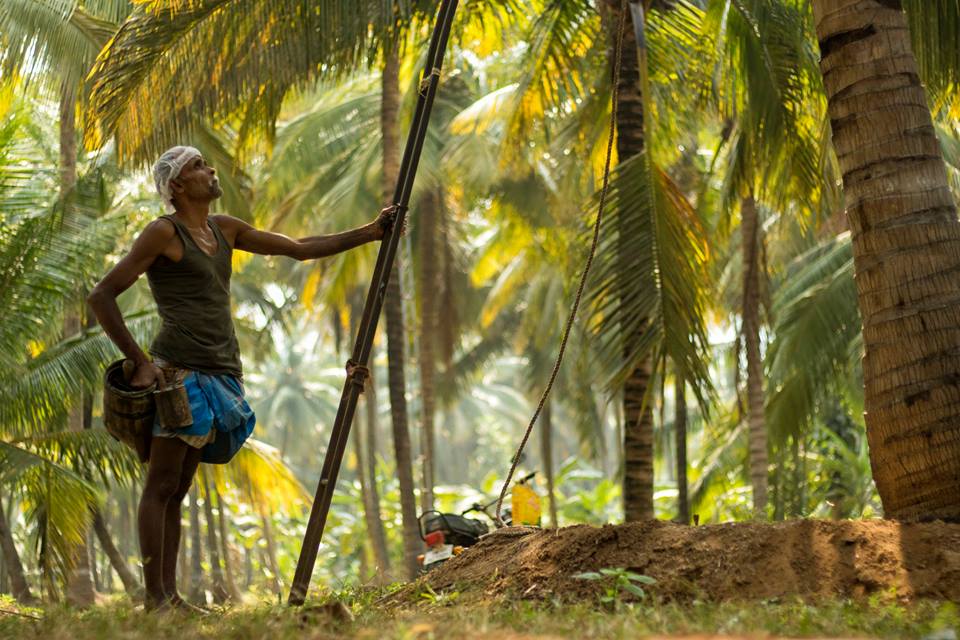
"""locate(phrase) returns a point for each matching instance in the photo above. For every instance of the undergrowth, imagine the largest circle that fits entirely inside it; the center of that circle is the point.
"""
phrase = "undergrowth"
(380, 614)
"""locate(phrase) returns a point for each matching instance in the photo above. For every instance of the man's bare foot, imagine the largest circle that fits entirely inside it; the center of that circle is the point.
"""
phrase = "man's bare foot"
(153, 604)
(177, 602)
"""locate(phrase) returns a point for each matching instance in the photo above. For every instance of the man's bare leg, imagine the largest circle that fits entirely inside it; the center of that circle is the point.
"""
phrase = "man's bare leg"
(171, 526)
(163, 479)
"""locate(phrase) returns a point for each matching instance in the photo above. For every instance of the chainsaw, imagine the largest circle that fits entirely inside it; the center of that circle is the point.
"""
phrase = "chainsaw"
(449, 534)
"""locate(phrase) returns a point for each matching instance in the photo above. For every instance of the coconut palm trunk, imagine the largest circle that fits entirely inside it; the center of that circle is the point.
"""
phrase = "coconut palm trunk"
(130, 583)
(271, 554)
(229, 573)
(366, 443)
(219, 588)
(196, 550)
(638, 418)
(393, 308)
(680, 434)
(428, 232)
(750, 314)
(546, 457)
(906, 248)
(19, 587)
(80, 590)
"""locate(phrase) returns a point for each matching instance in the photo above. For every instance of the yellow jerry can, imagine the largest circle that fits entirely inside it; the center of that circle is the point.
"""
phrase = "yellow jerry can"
(524, 505)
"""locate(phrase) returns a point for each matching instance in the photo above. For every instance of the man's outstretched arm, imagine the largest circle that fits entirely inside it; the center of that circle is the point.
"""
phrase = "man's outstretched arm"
(248, 238)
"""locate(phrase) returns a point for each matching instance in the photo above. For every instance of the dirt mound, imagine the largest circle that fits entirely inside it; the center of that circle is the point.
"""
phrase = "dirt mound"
(808, 558)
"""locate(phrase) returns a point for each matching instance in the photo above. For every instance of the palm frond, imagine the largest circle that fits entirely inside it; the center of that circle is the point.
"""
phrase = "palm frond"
(56, 501)
(562, 44)
(148, 83)
(649, 288)
(767, 84)
(38, 391)
(934, 25)
(262, 479)
(817, 305)
(92, 454)
(62, 36)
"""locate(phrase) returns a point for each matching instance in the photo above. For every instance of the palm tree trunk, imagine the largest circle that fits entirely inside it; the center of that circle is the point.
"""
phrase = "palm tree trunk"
(231, 583)
(906, 248)
(130, 583)
(680, 433)
(19, 586)
(272, 563)
(196, 550)
(393, 304)
(377, 533)
(368, 485)
(219, 588)
(80, 591)
(357, 439)
(638, 419)
(429, 322)
(750, 232)
(546, 457)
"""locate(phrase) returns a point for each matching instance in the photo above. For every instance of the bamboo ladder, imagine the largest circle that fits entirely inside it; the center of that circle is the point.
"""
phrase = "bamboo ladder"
(430, 78)
(353, 386)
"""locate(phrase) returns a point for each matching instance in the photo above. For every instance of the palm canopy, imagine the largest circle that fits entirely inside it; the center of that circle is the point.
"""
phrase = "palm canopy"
(149, 86)
(60, 35)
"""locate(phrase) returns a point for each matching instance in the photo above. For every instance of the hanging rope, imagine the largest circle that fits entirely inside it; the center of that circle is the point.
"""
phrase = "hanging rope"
(615, 103)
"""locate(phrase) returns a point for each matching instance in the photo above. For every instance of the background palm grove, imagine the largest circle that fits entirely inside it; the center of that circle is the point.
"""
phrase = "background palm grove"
(767, 151)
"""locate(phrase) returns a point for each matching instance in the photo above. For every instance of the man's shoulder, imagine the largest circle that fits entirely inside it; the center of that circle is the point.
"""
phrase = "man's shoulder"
(158, 230)
(227, 221)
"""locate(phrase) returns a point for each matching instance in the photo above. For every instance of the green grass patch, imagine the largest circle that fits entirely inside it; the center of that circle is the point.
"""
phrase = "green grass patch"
(426, 614)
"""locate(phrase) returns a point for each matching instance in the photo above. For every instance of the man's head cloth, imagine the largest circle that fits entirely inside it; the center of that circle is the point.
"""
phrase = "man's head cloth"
(168, 168)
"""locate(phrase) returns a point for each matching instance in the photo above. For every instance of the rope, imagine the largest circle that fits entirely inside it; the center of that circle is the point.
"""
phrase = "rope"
(586, 268)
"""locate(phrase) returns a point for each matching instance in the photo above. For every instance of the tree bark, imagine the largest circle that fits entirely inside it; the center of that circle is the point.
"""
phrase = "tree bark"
(219, 589)
(638, 419)
(546, 457)
(130, 583)
(19, 587)
(428, 231)
(906, 248)
(680, 433)
(750, 314)
(393, 307)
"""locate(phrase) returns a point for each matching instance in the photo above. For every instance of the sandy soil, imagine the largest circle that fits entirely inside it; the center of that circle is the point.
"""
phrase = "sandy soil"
(807, 558)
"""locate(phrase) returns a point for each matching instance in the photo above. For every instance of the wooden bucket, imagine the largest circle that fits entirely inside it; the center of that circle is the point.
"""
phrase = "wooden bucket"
(173, 406)
(128, 413)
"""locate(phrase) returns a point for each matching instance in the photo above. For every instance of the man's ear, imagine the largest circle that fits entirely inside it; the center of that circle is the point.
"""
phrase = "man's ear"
(176, 187)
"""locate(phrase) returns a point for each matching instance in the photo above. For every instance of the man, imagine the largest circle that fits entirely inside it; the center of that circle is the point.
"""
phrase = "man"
(186, 255)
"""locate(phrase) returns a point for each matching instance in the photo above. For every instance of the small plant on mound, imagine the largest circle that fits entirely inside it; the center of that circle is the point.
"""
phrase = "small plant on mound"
(617, 583)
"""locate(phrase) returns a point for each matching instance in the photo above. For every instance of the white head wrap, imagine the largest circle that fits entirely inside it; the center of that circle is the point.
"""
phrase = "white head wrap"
(168, 168)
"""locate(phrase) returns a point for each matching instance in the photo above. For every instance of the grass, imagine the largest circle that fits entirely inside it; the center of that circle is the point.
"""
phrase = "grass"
(429, 614)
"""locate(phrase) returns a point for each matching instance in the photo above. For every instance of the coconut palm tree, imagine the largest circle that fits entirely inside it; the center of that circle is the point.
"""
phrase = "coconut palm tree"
(906, 244)
(766, 94)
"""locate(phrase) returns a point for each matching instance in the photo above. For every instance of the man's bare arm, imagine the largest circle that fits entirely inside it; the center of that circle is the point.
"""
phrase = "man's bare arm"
(249, 238)
(103, 298)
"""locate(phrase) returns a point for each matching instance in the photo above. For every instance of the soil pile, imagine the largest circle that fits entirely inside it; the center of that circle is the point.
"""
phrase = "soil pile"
(737, 561)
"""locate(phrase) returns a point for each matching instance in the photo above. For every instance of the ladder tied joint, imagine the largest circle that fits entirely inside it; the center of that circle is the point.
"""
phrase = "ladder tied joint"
(357, 374)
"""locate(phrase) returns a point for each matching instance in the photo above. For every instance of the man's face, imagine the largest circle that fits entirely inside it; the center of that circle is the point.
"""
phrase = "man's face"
(197, 181)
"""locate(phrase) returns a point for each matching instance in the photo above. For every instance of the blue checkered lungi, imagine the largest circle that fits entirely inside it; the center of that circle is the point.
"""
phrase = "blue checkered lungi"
(221, 416)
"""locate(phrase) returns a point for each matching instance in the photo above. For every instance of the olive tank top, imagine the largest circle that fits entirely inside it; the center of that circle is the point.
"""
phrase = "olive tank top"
(193, 299)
